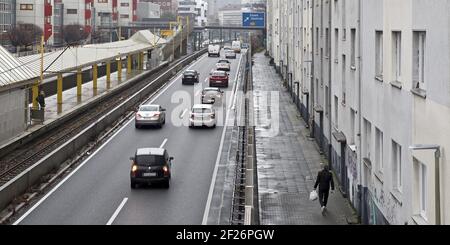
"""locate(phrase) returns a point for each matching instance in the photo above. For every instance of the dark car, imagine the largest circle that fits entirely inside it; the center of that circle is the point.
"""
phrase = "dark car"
(190, 77)
(218, 79)
(151, 165)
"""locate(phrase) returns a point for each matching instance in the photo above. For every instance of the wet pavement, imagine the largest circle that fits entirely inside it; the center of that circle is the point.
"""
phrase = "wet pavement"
(288, 160)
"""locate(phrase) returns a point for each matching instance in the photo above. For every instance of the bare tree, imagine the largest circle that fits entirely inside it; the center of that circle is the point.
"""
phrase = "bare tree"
(74, 34)
(24, 35)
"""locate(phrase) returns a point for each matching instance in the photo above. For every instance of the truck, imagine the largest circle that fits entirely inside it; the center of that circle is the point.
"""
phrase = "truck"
(214, 50)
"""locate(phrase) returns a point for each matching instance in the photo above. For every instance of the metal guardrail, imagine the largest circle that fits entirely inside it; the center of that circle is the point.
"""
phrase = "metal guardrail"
(244, 199)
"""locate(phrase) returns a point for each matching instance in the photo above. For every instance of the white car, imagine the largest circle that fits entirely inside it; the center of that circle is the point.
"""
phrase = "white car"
(214, 50)
(236, 45)
(203, 115)
(150, 115)
(230, 54)
(223, 65)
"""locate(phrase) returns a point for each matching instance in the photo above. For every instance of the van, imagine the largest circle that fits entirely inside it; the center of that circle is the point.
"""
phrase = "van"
(236, 46)
(214, 50)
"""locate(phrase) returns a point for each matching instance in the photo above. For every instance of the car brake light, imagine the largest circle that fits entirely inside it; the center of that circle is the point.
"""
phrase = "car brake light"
(192, 116)
(213, 116)
(138, 116)
(165, 169)
(134, 168)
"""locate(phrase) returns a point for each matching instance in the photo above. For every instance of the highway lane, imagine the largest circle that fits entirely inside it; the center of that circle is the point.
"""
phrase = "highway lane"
(99, 192)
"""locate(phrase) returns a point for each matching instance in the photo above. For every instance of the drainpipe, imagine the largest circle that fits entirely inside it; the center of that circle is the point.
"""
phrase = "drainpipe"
(330, 63)
(312, 74)
(360, 2)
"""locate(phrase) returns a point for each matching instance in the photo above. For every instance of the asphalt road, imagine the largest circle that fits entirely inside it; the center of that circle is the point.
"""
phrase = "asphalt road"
(99, 191)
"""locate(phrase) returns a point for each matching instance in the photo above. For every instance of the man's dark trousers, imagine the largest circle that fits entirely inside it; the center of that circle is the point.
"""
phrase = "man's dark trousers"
(323, 197)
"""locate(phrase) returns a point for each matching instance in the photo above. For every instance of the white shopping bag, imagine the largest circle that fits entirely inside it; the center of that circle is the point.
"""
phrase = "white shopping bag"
(313, 195)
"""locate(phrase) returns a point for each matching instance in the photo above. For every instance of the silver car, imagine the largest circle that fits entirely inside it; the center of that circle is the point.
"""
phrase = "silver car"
(150, 115)
(211, 95)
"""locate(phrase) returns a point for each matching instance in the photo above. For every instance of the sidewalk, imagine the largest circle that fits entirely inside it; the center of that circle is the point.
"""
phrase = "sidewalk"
(289, 162)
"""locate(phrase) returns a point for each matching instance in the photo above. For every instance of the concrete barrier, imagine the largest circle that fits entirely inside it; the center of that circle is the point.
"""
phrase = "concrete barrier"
(21, 183)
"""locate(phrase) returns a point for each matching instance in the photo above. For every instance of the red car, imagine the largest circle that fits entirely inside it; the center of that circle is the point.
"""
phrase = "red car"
(218, 79)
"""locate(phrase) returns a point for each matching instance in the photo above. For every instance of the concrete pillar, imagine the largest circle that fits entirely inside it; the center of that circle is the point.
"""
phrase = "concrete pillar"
(59, 89)
(108, 74)
(79, 82)
(94, 76)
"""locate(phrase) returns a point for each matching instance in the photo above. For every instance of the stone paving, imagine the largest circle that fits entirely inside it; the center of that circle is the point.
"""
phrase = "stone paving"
(288, 160)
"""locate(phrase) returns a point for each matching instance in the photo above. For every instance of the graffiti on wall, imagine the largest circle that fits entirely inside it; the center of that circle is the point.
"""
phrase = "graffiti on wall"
(351, 161)
(388, 205)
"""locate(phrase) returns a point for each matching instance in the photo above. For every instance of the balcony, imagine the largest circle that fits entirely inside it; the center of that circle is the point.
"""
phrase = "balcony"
(48, 31)
(87, 14)
(48, 10)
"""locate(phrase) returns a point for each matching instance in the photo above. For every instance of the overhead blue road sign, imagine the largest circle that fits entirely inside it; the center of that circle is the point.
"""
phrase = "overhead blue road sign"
(253, 19)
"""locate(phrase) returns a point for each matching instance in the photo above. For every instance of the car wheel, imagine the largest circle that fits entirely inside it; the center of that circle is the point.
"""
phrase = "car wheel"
(214, 126)
(137, 126)
(133, 185)
(166, 184)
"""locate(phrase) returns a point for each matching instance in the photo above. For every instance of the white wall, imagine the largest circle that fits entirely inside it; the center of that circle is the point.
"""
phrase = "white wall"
(13, 113)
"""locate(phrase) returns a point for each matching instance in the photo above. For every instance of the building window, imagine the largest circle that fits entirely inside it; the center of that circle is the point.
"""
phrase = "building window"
(124, 16)
(397, 166)
(379, 54)
(102, 1)
(421, 188)
(419, 60)
(353, 45)
(336, 45)
(352, 126)
(336, 112)
(26, 7)
(327, 44)
(71, 11)
(317, 41)
(327, 101)
(125, 4)
(397, 55)
(367, 139)
(344, 89)
(378, 150)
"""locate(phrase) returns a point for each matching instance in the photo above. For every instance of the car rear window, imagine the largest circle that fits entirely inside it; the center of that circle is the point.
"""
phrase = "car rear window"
(149, 108)
(201, 110)
(223, 61)
(218, 74)
(150, 160)
(189, 73)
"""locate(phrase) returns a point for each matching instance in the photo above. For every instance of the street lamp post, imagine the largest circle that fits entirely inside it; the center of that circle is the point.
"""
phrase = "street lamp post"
(437, 156)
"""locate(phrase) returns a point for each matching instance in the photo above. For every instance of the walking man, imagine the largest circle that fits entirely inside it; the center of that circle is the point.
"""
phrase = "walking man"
(324, 180)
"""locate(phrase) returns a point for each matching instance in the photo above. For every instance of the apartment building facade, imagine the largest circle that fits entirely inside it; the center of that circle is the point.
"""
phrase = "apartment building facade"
(197, 10)
(375, 87)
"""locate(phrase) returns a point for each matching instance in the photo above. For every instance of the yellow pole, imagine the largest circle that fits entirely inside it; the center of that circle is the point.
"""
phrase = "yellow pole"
(35, 88)
(119, 69)
(129, 58)
(95, 76)
(79, 82)
(59, 88)
(108, 74)
(35, 91)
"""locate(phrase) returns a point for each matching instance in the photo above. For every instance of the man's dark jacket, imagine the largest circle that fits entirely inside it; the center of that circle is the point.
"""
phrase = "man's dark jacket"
(324, 179)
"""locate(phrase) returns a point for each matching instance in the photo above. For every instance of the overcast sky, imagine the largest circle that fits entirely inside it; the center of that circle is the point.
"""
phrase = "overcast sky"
(222, 3)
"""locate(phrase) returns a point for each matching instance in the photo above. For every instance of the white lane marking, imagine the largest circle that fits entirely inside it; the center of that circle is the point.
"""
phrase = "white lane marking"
(206, 80)
(216, 168)
(198, 92)
(116, 213)
(163, 143)
(184, 113)
(98, 150)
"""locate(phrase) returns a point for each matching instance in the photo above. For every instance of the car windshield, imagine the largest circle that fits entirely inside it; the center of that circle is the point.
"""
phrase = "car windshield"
(201, 110)
(149, 108)
(149, 160)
